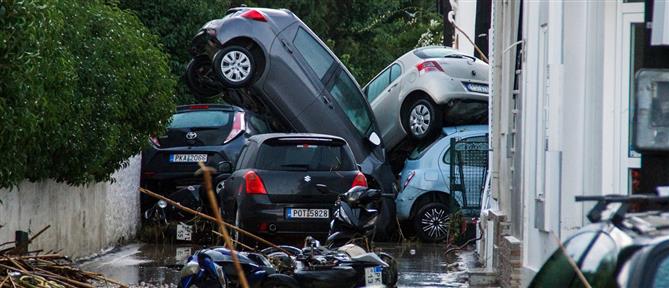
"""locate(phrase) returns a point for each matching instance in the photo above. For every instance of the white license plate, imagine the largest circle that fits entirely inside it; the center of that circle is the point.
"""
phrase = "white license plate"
(307, 213)
(184, 232)
(373, 276)
(188, 157)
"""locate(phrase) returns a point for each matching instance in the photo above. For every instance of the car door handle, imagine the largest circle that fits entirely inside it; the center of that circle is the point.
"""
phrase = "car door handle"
(327, 101)
(392, 86)
(285, 44)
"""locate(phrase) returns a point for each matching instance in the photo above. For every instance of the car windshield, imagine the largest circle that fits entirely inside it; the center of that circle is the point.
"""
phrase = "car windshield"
(350, 99)
(595, 253)
(293, 156)
(435, 52)
(195, 119)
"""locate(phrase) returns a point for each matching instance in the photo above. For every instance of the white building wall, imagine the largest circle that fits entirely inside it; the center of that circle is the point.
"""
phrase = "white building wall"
(465, 18)
(83, 219)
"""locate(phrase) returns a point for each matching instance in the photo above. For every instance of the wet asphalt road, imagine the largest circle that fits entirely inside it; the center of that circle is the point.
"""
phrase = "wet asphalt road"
(157, 265)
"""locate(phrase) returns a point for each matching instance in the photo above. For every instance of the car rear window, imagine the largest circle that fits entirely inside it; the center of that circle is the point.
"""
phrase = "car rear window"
(307, 156)
(194, 119)
(435, 52)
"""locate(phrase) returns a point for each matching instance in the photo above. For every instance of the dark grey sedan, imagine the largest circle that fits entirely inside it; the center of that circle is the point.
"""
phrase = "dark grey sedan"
(287, 71)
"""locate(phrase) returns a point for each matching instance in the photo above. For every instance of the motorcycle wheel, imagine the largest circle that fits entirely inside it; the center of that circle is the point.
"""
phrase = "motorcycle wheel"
(389, 274)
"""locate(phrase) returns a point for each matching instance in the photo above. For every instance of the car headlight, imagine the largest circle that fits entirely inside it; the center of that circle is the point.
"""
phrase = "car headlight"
(191, 268)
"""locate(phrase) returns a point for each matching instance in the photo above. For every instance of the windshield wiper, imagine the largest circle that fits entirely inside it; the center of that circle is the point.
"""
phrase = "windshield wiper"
(460, 56)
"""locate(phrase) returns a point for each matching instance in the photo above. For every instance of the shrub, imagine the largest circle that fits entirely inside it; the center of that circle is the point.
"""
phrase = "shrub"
(176, 22)
(83, 84)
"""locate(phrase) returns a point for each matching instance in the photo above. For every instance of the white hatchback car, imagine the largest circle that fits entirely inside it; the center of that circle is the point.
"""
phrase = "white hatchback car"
(426, 89)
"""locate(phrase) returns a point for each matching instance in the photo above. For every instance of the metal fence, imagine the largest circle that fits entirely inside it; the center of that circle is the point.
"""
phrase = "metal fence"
(468, 161)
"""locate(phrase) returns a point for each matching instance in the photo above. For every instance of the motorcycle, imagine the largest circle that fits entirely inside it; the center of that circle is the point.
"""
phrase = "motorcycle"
(334, 265)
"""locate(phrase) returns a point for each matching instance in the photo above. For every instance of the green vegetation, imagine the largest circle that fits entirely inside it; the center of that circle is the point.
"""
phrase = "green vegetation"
(176, 22)
(83, 84)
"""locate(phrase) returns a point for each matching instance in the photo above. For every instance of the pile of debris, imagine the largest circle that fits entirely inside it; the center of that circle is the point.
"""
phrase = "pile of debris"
(32, 269)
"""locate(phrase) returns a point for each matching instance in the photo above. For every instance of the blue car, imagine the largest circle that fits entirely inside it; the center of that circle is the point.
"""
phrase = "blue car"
(445, 176)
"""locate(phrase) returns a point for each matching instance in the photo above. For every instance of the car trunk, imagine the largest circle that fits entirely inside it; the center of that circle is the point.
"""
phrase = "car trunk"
(463, 67)
(300, 186)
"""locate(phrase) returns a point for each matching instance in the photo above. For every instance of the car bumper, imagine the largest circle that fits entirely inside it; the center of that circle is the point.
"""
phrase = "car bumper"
(259, 215)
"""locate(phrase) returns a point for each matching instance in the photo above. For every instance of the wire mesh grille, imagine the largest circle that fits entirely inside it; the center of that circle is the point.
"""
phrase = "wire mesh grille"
(468, 159)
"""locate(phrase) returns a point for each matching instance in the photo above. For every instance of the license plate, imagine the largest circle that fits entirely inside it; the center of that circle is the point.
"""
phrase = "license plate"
(478, 88)
(182, 254)
(184, 232)
(188, 157)
(307, 213)
(373, 276)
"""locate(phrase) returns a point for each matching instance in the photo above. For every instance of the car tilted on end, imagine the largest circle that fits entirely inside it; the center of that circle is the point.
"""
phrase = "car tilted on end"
(274, 190)
(269, 61)
(212, 133)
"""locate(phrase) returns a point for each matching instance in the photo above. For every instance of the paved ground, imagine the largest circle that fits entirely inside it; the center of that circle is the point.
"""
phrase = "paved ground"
(152, 265)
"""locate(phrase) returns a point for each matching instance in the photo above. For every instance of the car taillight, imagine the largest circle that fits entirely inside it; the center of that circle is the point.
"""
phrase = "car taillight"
(154, 140)
(254, 15)
(198, 107)
(428, 66)
(406, 182)
(254, 184)
(359, 180)
(238, 126)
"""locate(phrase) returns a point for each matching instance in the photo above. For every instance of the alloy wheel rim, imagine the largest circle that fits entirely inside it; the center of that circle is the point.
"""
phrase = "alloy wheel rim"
(236, 66)
(434, 223)
(419, 119)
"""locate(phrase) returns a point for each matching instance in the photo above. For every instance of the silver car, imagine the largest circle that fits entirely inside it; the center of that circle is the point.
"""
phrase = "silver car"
(426, 89)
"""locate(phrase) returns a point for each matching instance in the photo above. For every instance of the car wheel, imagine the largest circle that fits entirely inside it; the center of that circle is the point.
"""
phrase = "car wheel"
(423, 119)
(234, 66)
(198, 78)
(432, 222)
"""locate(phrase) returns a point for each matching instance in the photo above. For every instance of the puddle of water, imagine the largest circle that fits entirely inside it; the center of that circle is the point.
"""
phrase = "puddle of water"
(157, 265)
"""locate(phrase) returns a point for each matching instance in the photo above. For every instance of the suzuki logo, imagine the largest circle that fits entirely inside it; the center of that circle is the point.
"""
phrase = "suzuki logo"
(191, 135)
(307, 178)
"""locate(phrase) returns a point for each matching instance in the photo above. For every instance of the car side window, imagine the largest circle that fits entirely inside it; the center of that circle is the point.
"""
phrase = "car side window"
(259, 125)
(661, 278)
(395, 72)
(349, 97)
(317, 57)
(241, 160)
(596, 254)
(375, 87)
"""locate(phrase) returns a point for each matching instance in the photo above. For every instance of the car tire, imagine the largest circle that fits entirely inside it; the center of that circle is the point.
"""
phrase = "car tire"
(198, 78)
(234, 66)
(432, 222)
(422, 119)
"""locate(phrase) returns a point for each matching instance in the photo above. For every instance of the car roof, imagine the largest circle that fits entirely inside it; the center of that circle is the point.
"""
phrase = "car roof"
(261, 138)
(207, 106)
(465, 129)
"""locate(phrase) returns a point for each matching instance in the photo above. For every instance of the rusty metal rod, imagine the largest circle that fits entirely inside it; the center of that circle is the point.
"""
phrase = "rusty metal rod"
(205, 216)
(236, 242)
(221, 227)
(39, 233)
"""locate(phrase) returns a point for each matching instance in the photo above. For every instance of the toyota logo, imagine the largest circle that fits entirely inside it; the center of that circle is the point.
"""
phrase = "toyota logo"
(191, 135)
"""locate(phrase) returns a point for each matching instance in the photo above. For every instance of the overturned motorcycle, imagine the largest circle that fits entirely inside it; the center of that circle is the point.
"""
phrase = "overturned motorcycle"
(342, 263)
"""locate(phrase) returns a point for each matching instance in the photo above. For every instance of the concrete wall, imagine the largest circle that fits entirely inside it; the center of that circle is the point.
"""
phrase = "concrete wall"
(84, 220)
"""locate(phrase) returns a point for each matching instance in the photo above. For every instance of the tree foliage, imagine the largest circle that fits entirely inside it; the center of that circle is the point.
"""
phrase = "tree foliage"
(176, 22)
(83, 84)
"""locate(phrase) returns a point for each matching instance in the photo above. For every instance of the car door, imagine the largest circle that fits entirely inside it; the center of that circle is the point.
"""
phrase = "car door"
(383, 97)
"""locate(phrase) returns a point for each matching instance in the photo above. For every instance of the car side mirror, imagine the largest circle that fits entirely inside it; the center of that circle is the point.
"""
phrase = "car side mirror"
(374, 138)
(225, 167)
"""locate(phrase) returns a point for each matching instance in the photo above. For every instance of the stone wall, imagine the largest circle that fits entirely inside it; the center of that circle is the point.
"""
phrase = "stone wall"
(84, 219)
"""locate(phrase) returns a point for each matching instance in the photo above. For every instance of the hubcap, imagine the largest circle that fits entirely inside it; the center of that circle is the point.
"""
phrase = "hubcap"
(435, 223)
(236, 66)
(419, 119)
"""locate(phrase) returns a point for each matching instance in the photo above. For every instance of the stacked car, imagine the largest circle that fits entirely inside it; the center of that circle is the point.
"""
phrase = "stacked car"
(281, 77)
